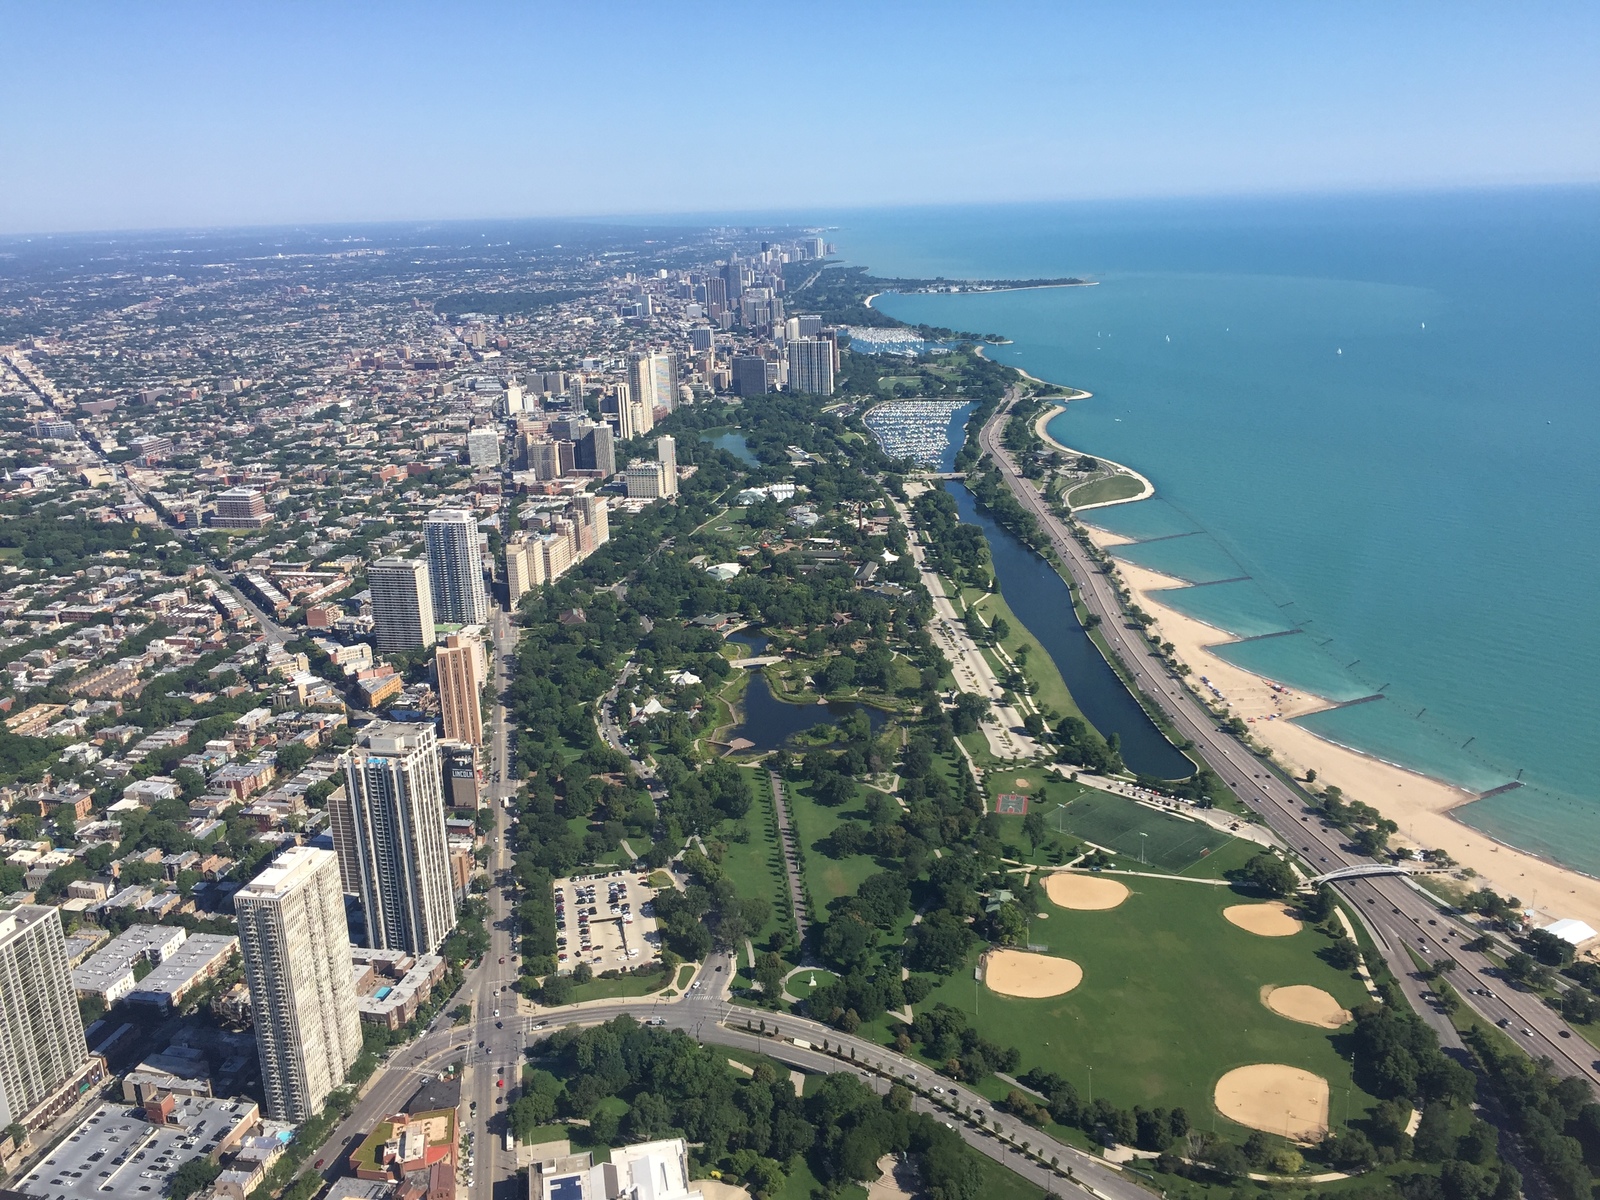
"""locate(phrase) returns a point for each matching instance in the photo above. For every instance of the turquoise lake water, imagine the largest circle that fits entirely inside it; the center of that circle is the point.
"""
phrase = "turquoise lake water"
(1384, 412)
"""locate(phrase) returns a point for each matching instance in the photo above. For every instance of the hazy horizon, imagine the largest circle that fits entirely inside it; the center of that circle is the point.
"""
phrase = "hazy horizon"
(822, 217)
(182, 116)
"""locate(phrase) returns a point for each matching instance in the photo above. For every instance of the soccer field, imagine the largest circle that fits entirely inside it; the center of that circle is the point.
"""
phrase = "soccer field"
(1159, 839)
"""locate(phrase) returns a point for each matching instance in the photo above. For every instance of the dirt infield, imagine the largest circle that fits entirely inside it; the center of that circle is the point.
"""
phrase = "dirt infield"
(1022, 783)
(1084, 891)
(1271, 919)
(1276, 1099)
(1030, 976)
(1306, 1004)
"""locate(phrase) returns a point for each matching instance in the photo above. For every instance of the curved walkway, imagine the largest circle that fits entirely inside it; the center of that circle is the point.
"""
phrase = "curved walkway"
(1148, 489)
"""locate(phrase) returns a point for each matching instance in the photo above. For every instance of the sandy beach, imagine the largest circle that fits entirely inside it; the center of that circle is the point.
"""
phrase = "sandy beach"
(1419, 805)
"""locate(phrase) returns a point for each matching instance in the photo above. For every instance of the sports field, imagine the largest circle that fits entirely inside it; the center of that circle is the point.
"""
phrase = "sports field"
(1161, 840)
(1171, 1000)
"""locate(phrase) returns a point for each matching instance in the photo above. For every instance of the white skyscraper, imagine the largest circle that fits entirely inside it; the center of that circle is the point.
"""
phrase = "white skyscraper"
(296, 951)
(41, 1036)
(667, 456)
(389, 827)
(455, 567)
(402, 604)
(811, 366)
(483, 446)
(653, 383)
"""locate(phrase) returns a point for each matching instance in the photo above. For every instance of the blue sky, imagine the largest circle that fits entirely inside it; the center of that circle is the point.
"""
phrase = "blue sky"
(161, 114)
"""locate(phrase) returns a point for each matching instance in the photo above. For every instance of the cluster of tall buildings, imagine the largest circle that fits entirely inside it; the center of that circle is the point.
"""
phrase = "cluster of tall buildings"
(554, 542)
(565, 446)
(390, 851)
(535, 385)
(411, 595)
(805, 359)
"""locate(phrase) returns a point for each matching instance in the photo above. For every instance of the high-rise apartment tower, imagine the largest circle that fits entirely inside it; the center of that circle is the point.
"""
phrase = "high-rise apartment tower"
(667, 456)
(811, 366)
(455, 567)
(402, 604)
(41, 1035)
(296, 951)
(395, 798)
(458, 662)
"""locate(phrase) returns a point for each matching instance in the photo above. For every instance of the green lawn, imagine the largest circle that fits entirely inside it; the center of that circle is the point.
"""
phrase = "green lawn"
(609, 989)
(1109, 487)
(800, 985)
(827, 878)
(756, 867)
(1000, 1183)
(1170, 1001)
(546, 1133)
(1050, 688)
(1076, 813)
(801, 1184)
(1163, 841)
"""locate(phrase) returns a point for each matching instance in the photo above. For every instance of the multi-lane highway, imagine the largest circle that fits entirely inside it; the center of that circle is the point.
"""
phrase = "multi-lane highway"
(1396, 913)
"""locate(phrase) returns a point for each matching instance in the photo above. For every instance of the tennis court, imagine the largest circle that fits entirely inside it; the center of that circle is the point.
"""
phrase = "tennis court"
(1166, 842)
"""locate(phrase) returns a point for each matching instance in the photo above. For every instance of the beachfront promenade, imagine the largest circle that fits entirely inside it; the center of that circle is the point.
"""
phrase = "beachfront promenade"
(1394, 910)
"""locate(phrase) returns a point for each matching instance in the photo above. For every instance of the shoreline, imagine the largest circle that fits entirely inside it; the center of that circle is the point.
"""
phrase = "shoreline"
(1039, 427)
(1424, 807)
(1425, 813)
(1026, 287)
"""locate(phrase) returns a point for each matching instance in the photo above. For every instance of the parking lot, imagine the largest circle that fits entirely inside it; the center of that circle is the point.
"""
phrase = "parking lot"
(606, 920)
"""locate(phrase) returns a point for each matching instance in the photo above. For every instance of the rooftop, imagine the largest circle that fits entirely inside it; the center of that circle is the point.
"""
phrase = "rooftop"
(118, 1155)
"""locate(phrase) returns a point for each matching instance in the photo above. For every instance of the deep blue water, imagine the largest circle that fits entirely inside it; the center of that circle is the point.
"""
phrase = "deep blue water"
(1384, 411)
(1042, 602)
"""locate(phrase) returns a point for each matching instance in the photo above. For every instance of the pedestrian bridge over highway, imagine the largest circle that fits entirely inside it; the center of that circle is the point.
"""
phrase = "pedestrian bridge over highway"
(1363, 870)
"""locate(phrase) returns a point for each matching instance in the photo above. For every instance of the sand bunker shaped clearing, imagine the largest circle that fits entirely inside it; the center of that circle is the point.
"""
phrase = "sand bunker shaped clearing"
(1084, 891)
(716, 1189)
(1306, 1004)
(1269, 920)
(1276, 1099)
(1030, 976)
